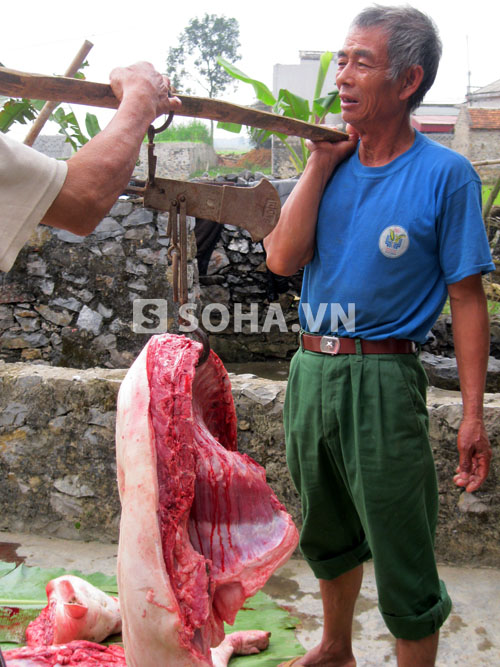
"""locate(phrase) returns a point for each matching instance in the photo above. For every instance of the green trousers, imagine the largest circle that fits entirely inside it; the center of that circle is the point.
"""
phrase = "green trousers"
(358, 451)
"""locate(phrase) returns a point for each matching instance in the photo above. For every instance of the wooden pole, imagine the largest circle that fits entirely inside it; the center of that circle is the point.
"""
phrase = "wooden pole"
(62, 89)
(49, 107)
(484, 163)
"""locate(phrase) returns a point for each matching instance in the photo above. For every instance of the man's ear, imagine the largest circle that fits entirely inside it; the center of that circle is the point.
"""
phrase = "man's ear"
(410, 81)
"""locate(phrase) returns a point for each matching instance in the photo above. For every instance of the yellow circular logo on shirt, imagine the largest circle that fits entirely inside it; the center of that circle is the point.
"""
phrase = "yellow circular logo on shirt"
(394, 241)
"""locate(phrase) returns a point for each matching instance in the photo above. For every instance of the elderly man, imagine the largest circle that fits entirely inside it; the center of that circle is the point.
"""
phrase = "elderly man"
(387, 225)
(75, 195)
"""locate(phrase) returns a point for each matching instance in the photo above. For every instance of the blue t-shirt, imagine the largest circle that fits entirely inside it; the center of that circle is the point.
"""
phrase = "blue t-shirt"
(388, 242)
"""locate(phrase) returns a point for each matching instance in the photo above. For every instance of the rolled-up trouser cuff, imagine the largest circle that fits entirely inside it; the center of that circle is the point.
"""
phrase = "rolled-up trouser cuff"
(334, 567)
(418, 627)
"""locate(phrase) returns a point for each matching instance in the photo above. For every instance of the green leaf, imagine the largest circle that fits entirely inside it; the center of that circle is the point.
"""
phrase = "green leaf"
(325, 105)
(260, 135)
(14, 621)
(69, 127)
(92, 124)
(16, 111)
(259, 613)
(230, 127)
(261, 90)
(324, 64)
(28, 583)
(6, 567)
(292, 105)
(392, 235)
(262, 613)
(22, 596)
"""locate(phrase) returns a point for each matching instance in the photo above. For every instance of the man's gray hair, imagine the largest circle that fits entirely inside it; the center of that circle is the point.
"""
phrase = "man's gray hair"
(413, 39)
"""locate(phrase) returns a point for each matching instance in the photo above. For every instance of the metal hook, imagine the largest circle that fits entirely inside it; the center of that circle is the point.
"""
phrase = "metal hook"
(202, 338)
(152, 159)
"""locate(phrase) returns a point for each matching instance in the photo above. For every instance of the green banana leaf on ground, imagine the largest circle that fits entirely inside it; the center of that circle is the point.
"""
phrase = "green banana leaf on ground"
(22, 596)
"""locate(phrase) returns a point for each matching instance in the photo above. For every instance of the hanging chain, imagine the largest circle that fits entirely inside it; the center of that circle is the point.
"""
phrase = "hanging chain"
(177, 250)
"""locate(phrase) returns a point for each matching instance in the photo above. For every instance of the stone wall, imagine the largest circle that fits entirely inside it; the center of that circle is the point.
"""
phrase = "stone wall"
(282, 166)
(477, 145)
(238, 280)
(177, 160)
(444, 138)
(69, 300)
(58, 472)
(53, 146)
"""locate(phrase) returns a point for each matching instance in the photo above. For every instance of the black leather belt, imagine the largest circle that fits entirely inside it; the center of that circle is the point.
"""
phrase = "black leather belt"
(334, 345)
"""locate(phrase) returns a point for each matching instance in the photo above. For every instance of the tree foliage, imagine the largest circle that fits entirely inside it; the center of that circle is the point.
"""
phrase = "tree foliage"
(194, 60)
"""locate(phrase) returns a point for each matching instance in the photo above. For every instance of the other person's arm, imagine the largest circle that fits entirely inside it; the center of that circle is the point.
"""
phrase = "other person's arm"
(100, 171)
(472, 343)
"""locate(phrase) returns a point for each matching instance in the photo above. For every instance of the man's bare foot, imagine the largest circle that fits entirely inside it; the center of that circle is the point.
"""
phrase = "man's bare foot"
(319, 657)
(244, 642)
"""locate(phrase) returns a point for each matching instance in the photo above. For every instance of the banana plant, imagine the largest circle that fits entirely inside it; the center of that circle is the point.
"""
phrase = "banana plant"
(290, 105)
(23, 111)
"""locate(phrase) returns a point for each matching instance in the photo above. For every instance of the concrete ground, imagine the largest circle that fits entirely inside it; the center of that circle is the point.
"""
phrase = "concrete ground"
(471, 636)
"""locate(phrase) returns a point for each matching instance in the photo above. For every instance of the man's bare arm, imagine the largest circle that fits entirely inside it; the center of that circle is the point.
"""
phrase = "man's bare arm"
(472, 343)
(291, 243)
(101, 169)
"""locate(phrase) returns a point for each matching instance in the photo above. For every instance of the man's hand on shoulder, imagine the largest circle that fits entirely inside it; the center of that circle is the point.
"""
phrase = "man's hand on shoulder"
(474, 454)
(143, 83)
(329, 154)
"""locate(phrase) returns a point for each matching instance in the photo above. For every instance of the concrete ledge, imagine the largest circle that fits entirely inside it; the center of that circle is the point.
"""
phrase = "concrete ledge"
(57, 457)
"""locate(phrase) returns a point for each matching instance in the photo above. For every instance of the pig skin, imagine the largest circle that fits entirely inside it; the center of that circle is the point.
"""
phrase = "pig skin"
(75, 610)
(200, 529)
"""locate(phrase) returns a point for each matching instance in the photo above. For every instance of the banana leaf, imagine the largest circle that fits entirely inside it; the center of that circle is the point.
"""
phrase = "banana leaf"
(22, 596)
(230, 127)
(292, 105)
(92, 124)
(23, 585)
(261, 90)
(324, 64)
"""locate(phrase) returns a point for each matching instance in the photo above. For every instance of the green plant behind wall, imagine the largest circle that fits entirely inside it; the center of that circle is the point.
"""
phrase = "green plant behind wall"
(290, 105)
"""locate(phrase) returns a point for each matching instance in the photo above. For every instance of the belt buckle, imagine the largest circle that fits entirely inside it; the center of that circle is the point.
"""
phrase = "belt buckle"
(329, 344)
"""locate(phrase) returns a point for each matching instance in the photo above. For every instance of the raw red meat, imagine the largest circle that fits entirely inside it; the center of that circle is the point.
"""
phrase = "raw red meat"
(79, 653)
(201, 530)
(87, 654)
(75, 610)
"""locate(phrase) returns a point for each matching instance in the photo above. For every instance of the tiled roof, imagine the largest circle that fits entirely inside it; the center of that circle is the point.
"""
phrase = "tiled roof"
(484, 119)
(434, 123)
(490, 88)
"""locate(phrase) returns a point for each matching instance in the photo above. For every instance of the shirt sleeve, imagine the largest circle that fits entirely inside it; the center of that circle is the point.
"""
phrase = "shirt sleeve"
(463, 244)
(29, 183)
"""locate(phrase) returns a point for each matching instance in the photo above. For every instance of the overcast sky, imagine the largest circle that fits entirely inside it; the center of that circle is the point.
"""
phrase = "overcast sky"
(44, 36)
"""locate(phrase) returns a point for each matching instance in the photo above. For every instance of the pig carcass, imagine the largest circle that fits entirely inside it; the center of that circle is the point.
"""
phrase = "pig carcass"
(201, 530)
(75, 610)
(88, 654)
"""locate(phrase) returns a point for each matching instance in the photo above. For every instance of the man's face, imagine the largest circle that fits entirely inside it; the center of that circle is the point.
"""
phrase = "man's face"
(368, 97)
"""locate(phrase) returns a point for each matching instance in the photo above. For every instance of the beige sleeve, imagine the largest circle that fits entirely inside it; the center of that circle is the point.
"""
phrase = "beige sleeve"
(29, 183)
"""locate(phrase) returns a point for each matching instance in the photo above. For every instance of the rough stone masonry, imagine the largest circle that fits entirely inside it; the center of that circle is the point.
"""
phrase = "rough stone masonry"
(58, 472)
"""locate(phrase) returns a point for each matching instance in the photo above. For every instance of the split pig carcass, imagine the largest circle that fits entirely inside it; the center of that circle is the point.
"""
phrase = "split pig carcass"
(201, 531)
